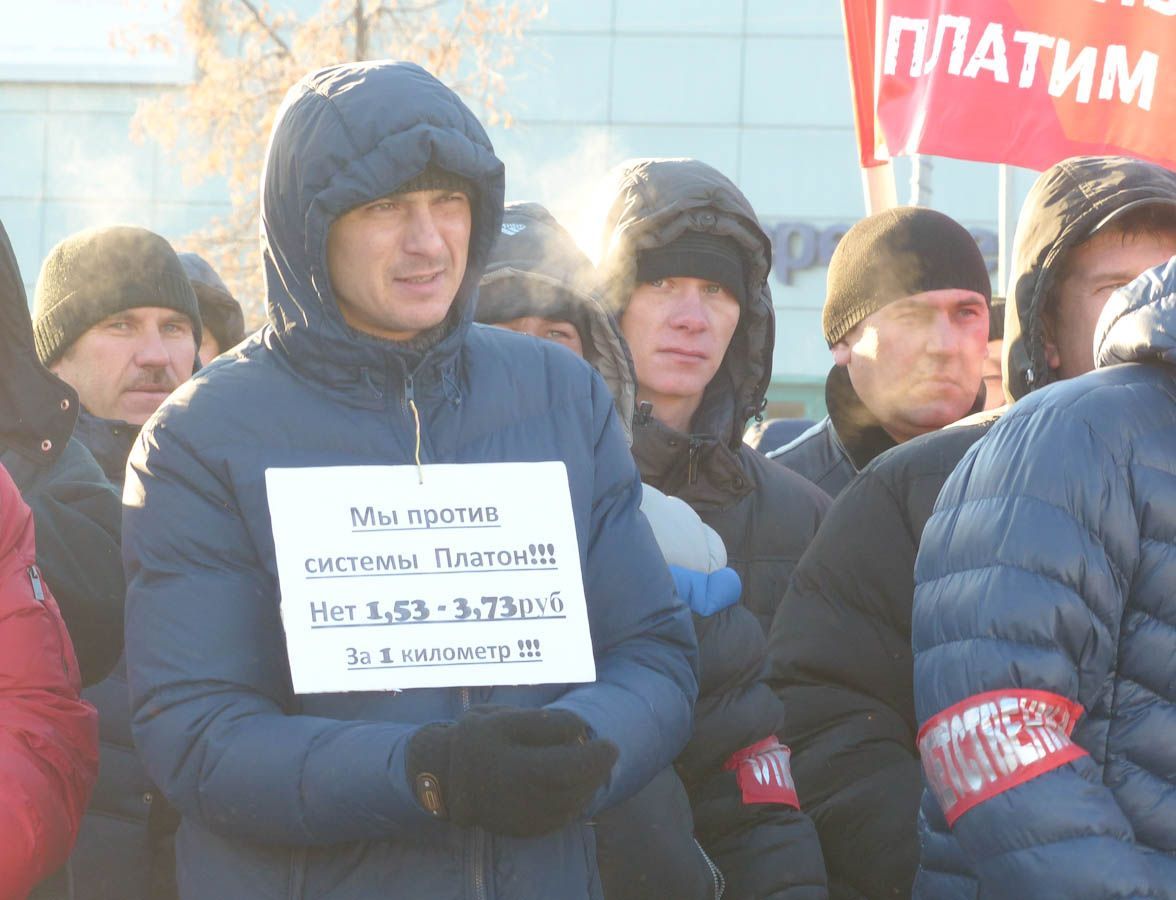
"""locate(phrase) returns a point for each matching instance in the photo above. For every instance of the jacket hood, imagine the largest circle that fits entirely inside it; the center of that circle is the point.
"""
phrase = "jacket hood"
(654, 201)
(220, 313)
(346, 135)
(1138, 324)
(37, 409)
(1066, 205)
(534, 258)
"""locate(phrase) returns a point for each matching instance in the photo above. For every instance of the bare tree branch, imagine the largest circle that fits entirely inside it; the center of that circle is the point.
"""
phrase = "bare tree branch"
(393, 11)
(274, 36)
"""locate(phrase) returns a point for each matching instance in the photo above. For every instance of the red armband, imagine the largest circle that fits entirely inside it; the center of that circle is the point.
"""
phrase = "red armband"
(764, 773)
(992, 742)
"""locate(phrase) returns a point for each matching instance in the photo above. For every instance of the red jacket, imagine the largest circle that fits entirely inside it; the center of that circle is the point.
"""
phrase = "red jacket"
(48, 735)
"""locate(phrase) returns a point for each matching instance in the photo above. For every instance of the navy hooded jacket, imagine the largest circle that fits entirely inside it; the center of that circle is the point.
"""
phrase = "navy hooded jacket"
(1045, 626)
(287, 795)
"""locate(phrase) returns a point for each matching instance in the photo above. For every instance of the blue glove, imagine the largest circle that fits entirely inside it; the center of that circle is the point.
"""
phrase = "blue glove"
(707, 594)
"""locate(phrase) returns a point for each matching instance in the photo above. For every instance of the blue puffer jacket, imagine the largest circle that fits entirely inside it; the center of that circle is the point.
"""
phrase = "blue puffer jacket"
(285, 795)
(1050, 566)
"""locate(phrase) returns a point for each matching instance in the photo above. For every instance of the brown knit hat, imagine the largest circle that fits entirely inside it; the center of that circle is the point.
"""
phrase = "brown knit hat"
(894, 254)
(102, 271)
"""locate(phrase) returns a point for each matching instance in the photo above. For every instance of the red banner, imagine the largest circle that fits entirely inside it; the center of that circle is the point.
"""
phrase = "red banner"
(1026, 82)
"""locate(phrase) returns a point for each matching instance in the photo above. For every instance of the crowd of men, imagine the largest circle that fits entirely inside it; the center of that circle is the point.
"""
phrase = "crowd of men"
(925, 648)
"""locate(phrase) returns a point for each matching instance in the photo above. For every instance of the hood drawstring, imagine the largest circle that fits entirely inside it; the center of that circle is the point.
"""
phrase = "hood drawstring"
(416, 417)
(410, 400)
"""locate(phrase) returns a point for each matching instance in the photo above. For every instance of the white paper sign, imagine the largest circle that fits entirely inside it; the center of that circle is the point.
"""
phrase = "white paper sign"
(469, 578)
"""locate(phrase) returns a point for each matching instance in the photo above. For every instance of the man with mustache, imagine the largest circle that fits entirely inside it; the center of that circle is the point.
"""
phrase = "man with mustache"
(906, 319)
(116, 318)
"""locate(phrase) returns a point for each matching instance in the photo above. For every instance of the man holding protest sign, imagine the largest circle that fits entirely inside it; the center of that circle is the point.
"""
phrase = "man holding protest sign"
(391, 468)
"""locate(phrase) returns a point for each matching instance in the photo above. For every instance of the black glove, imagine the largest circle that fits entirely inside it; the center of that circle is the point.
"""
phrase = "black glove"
(518, 772)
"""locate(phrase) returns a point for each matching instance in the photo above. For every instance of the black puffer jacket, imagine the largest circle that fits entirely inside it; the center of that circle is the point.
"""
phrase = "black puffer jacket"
(763, 850)
(764, 514)
(125, 846)
(840, 660)
(840, 655)
(76, 511)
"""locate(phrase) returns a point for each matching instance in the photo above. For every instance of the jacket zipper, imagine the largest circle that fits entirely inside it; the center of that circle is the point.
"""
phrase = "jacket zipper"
(298, 860)
(38, 586)
(478, 838)
(719, 881)
(692, 458)
(409, 394)
(478, 834)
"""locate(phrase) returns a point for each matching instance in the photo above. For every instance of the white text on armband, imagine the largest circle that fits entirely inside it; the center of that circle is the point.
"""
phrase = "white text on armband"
(992, 742)
(763, 772)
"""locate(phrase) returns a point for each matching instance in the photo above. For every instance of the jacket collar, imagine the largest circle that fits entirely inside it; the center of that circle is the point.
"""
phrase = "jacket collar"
(109, 441)
(700, 467)
(857, 429)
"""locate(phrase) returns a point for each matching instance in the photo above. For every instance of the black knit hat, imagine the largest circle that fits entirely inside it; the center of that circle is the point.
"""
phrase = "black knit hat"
(697, 254)
(102, 271)
(434, 178)
(894, 254)
(515, 298)
(220, 313)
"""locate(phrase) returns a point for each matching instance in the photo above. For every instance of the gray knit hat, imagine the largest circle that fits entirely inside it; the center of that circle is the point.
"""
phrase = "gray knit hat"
(102, 271)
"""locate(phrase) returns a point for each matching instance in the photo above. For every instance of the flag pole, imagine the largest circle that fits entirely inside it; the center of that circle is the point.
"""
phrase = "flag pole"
(879, 188)
(860, 20)
(1005, 226)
